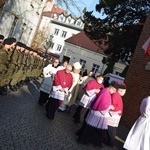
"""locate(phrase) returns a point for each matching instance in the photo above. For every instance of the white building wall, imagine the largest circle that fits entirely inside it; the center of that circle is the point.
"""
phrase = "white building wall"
(48, 26)
(75, 53)
(118, 68)
(27, 12)
(58, 39)
(6, 21)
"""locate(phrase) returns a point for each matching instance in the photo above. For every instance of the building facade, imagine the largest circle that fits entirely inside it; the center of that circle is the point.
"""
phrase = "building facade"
(20, 19)
(80, 48)
(58, 27)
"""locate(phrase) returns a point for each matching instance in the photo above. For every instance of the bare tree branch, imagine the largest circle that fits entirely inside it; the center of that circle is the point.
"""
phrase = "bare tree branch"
(69, 4)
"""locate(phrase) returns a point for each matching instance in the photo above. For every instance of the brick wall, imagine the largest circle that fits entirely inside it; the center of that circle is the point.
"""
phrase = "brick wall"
(137, 80)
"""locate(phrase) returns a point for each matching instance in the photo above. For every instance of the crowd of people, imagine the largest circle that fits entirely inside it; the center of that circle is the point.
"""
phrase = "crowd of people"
(99, 104)
(18, 64)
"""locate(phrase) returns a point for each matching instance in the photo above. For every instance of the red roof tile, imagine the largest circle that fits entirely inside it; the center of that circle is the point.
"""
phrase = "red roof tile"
(55, 10)
(82, 40)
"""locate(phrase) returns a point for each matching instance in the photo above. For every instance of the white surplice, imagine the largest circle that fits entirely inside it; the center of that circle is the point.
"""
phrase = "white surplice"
(139, 135)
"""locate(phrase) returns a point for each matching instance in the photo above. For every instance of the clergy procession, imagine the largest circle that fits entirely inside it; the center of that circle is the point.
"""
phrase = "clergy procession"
(97, 104)
(99, 107)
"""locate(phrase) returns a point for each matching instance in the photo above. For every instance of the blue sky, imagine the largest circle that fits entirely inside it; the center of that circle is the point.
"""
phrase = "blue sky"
(89, 4)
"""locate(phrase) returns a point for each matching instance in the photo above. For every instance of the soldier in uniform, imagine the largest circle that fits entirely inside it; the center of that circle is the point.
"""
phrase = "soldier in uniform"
(31, 59)
(17, 58)
(21, 47)
(8, 44)
(12, 63)
(25, 65)
(36, 66)
(40, 66)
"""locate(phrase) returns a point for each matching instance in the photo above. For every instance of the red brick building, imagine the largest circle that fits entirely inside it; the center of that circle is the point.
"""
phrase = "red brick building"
(137, 80)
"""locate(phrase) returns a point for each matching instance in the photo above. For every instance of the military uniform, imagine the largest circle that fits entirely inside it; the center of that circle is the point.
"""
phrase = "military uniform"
(25, 65)
(3, 66)
(15, 69)
(7, 44)
(19, 73)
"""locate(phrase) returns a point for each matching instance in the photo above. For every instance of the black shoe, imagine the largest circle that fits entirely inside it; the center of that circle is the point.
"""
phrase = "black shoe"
(50, 118)
(37, 78)
(59, 110)
(12, 88)
(2, 92)
(5, 89)
(78, 132)
(23, 83)
(27, 80)
(18, 85)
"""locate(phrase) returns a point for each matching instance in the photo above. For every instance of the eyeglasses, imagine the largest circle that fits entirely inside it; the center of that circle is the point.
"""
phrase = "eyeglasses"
(56, 62)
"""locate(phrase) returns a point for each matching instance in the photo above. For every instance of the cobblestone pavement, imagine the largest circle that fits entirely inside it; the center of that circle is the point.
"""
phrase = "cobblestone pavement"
(24, 126)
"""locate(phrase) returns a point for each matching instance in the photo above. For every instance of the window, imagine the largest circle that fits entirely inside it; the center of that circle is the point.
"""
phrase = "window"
(82, 62)
(64, 33)
(117, 73)
(13, 26)
(69, 20)
(22, 31)
(58, 48)
(78, 23)
(61, 18)
(56, 31)
(95, 68)
(51, 45)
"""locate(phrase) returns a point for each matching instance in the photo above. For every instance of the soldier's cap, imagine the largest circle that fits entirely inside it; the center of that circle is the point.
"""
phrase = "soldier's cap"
(9, 41)
(12, 39)
(1, 37)
(20, 44)
(24, 46)
(30, 49)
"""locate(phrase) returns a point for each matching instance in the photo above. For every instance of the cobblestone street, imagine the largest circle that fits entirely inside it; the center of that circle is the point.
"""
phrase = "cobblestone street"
(24, 126)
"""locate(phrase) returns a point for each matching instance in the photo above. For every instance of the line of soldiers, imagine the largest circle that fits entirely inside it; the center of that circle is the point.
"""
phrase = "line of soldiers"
(19, 64)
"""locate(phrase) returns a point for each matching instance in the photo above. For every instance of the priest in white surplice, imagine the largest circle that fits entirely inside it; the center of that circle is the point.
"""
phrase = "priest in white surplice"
(139, 135)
